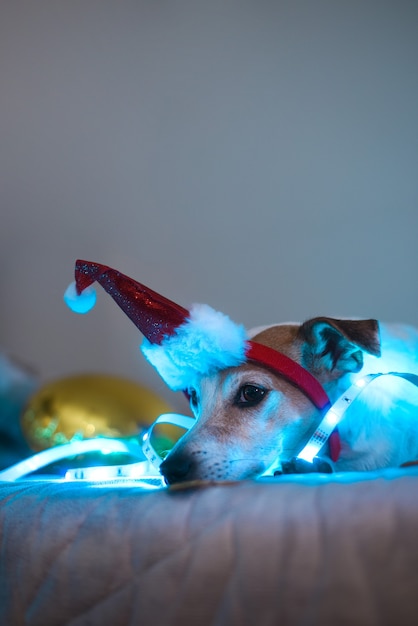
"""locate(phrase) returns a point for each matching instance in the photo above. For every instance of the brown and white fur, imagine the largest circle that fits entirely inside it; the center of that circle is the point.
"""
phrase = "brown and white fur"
(249, 416)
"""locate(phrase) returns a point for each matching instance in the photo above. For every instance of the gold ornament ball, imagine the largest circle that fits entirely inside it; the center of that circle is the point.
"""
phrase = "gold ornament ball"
(90, 405)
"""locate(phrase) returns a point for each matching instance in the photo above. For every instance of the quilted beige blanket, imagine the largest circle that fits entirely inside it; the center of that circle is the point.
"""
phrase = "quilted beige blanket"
(303, 550)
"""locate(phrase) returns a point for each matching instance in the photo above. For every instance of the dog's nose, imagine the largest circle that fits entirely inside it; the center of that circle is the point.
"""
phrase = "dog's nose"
(176, 468)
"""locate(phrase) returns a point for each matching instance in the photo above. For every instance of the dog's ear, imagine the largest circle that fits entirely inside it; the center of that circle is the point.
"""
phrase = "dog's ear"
(338, 345)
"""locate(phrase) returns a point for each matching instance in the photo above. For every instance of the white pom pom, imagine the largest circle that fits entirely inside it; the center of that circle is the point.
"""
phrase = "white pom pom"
(82, 303)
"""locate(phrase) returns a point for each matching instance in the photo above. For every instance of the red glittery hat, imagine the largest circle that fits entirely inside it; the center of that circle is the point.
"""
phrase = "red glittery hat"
(179, 343)
(182, 344)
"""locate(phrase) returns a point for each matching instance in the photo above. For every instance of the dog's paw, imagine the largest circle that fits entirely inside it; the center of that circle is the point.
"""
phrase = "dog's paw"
(299, 466)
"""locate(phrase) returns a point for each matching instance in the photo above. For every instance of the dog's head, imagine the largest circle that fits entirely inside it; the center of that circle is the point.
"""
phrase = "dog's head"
(249, 415)
(250, 408)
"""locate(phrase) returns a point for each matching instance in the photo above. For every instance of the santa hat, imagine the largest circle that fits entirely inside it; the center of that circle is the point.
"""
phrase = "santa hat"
(180, 343)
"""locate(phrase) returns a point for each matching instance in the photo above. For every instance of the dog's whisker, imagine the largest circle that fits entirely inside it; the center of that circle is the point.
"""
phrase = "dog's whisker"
(243, 460)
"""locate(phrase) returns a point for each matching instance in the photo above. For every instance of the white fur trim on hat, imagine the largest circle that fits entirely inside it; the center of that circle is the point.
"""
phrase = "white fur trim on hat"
(206, 342)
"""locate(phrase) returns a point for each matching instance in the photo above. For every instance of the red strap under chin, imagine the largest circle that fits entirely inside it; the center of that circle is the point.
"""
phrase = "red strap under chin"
(334, 443)
(291, 370)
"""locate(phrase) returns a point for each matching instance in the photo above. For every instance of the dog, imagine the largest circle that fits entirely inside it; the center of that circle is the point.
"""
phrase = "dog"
(248, 417)
(259, 397)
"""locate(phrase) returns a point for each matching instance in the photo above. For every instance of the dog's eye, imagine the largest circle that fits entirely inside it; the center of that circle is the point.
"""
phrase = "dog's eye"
(250, 395)
(194, 401)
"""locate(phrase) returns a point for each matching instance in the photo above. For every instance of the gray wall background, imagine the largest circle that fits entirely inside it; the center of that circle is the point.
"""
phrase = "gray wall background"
(259, 156)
